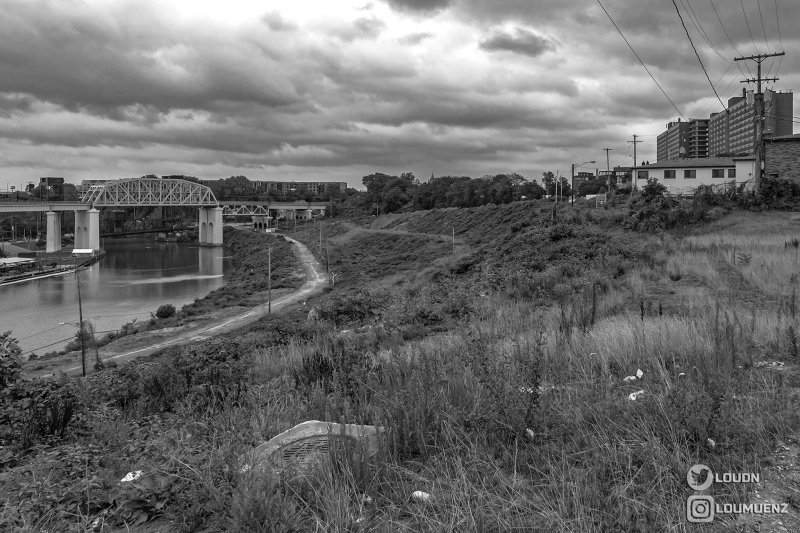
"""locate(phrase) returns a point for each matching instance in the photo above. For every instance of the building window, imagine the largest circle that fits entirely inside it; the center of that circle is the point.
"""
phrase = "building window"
(669, 174)
(717, 172)
(689, 174)
(731, 172)
(642, 174)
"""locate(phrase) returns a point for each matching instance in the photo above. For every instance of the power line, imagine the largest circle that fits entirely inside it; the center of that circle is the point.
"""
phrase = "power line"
(725, 31)
(780, 40)
(62, 340)
(695, 53)
(640, 60)
(763, 28)
(748, 27)
(699, 26)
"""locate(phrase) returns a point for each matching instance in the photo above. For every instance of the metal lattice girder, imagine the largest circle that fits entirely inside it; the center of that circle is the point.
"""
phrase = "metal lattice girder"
(150, 192)
(244, 210)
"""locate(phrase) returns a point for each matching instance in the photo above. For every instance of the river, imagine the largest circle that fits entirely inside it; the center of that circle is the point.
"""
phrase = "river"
(134, 278)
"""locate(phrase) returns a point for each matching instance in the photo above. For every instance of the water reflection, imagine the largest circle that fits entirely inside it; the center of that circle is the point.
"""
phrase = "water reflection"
(134, 278)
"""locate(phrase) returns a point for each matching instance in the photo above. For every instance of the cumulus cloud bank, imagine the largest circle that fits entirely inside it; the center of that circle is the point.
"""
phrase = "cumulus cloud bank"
(308, 90)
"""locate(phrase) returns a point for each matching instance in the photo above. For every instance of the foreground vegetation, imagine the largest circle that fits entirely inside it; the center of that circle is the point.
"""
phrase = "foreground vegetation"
(499, 374)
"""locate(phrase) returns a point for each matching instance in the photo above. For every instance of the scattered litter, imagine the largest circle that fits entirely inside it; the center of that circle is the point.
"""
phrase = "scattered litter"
(132, 476)
(345, 331)
(360, 519)
(592, 354)
(711, 443)
(245, 467)
(639, 373)
(420, 496)
(366, 500)
(771, 364)
(527, 390)
(634, 395)
(529, 433)
(628, 379)
(681, 374)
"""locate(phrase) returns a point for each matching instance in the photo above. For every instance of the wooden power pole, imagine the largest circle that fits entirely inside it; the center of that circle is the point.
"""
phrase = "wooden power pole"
(269, 279)
(80, 317)
(608, 165)
(758, 102)
(633, 174)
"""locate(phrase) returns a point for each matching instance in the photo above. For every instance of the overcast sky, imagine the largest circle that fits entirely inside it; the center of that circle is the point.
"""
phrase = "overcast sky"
(334, 89)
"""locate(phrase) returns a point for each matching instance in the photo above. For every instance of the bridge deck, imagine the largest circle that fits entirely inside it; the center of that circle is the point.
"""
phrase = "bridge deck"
(42, 207)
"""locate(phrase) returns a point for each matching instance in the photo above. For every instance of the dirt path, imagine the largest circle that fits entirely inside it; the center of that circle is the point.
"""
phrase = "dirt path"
(315, 279)
(462, 248)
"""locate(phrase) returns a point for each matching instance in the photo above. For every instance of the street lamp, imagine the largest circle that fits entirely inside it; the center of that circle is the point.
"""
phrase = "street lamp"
(572, 192)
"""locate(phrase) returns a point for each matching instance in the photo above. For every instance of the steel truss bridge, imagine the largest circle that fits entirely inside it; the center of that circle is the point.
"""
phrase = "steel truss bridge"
(150, 192)
(156, 192)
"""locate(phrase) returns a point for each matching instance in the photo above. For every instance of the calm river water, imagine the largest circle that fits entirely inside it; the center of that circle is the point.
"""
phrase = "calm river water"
(131, 281)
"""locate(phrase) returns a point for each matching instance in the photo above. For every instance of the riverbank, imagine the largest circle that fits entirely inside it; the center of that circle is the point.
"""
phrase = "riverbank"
(79, 262)
(244, 299)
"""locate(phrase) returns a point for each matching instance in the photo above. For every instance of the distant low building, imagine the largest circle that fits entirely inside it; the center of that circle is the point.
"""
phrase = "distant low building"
(618, 178)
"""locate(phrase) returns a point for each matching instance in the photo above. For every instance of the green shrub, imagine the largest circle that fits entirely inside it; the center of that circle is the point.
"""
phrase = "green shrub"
(165, 311)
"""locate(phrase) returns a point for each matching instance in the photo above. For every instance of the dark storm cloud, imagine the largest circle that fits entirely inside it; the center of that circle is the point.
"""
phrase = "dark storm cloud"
(76, 60)
(421, 6)
(521, 41)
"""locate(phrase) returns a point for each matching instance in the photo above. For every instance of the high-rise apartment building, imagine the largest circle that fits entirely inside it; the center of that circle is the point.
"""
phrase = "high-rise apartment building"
(698, 138)
(674, 142)
(683, 139)
(733, 132)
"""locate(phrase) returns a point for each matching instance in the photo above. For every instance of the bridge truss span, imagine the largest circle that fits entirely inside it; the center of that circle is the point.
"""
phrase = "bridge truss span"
(150, 192)
(244, 210)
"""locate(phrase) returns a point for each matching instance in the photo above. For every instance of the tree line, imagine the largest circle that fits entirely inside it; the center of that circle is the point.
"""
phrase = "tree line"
(387, 194)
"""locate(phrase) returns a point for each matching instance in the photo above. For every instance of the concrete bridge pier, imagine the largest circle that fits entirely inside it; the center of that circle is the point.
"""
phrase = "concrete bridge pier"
(261, 222)
(87, 229)
(210, 225)
(53, 231)
(81, 229)
(93, 229)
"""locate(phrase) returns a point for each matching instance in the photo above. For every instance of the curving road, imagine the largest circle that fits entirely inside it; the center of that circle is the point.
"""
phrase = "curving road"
(315, 280)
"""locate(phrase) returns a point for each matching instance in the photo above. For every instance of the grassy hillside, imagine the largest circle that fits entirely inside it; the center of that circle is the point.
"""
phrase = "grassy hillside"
(499, 377)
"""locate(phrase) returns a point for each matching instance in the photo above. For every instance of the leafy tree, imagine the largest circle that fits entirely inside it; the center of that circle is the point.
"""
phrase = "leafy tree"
(653, 190)
(390, 193)
(70, 192)
(594, 186)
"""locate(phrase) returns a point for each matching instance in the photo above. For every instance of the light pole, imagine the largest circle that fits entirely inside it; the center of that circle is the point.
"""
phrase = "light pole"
(572, 186)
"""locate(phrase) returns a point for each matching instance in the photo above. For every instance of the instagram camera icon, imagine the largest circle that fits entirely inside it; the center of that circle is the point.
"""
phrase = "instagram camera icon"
(700, 509)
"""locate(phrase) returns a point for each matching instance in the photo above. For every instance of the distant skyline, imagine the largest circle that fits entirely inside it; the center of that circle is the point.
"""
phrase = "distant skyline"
(335, 90)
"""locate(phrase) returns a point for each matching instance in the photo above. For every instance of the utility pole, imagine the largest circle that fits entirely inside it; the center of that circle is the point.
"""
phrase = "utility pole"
(608, 165)
(759, 112)
(633, 173)
(269, 279)
(80, 317)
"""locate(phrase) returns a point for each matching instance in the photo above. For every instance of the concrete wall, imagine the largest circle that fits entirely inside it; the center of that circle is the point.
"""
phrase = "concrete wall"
(782, 158)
